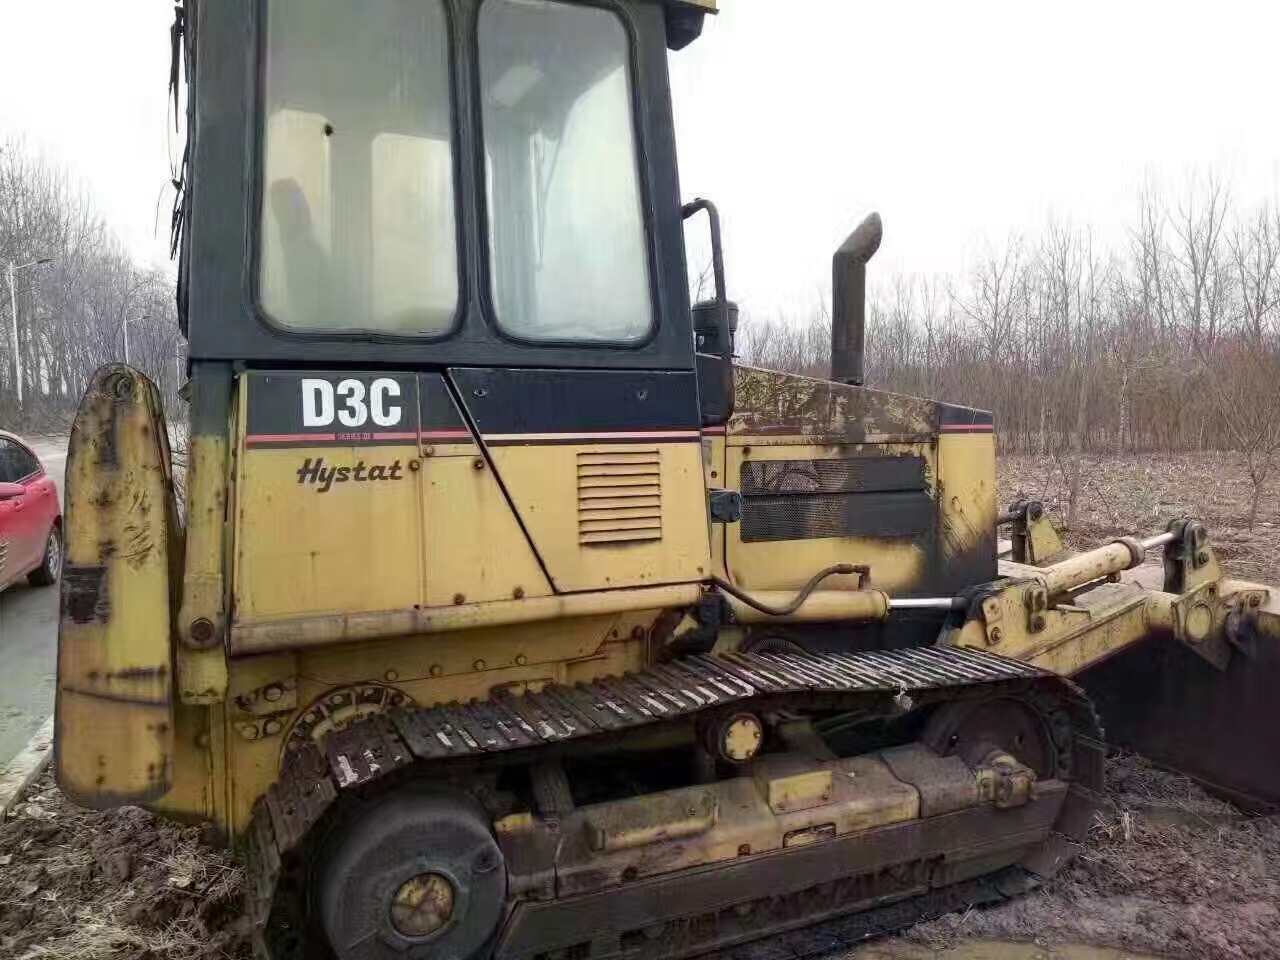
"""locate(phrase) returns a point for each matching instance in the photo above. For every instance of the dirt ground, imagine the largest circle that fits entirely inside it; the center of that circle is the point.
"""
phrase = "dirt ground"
(80, 885)
(1168, 871)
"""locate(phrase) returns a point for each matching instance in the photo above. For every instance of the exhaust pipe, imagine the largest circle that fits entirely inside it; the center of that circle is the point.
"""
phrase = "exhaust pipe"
(849, 300)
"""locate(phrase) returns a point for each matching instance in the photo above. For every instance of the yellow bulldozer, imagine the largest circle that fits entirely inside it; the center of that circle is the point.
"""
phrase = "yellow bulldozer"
(503, 614)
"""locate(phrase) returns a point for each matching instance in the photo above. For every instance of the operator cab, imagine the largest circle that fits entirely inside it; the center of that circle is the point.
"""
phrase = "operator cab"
(437, 182)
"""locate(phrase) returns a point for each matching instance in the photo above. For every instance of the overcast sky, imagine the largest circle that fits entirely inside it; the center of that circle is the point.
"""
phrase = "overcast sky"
(961, 122)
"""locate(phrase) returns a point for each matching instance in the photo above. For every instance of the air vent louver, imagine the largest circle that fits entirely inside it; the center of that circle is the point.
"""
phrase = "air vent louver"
(619, 497)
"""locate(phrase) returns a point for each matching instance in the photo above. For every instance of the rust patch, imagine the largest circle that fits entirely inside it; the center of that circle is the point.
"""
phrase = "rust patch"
(111, 697)
(84, 594)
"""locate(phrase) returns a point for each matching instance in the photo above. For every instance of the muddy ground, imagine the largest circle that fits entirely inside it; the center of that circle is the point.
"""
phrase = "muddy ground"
(79, 885)
(1168, 870)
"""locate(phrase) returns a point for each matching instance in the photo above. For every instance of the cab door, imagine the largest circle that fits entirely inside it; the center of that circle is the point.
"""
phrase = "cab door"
(24, 519)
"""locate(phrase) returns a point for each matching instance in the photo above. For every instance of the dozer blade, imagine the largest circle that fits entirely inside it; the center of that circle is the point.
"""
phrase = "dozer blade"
(1219, 726)
(114, 736)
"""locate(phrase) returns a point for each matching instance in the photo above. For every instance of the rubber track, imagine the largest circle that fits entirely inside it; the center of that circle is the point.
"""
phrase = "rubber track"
(313, 779)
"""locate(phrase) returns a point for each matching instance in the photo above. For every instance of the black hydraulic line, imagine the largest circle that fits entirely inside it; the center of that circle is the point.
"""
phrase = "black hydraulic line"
(800, 598)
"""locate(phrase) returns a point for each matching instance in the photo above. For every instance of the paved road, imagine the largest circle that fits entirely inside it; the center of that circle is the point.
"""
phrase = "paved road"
(29, 641)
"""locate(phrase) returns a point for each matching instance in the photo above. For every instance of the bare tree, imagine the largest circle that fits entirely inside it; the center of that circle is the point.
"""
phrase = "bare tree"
(1169, 342)
(72, 310)
(1197, 253)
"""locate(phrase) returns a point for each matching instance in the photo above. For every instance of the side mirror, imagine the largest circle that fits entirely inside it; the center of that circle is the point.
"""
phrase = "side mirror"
(11, 491)
(715, 322)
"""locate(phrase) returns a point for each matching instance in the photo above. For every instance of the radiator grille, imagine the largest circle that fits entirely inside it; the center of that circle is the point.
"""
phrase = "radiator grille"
(4, 554)
(619, 497)
(875, 496)
(856, 475)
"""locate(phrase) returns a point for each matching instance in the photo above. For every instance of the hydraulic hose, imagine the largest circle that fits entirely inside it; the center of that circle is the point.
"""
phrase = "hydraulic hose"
(797, 602)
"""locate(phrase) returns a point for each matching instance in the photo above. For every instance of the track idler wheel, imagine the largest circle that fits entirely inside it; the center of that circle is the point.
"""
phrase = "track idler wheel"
(980, 730)
(414, 875)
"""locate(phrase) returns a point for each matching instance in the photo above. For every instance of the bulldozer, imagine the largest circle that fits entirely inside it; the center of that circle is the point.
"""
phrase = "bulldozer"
(499, 612)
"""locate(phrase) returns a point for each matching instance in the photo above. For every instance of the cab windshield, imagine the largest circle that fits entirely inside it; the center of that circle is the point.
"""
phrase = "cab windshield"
(569, 259)
(357, 228)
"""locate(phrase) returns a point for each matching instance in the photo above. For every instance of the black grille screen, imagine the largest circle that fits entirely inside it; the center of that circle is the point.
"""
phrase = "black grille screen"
(858, 497)
(857, 475)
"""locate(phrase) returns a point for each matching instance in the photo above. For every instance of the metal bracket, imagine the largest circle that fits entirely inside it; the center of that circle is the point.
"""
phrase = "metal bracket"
(1189, 561)
(991, 616)
(711, 613)
(1036, 599)
(1215, 627)
(269, 699)
(725, 505)
(1035, 541)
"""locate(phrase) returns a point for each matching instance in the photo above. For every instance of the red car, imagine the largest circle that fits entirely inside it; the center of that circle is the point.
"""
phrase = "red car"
(30, 517)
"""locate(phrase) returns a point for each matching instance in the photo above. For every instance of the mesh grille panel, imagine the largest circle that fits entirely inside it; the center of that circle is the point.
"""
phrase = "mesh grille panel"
(858, 474)
(905, 515)
(856, 497)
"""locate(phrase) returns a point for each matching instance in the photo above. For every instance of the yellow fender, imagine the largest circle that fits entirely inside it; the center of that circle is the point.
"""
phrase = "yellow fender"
(113, 734)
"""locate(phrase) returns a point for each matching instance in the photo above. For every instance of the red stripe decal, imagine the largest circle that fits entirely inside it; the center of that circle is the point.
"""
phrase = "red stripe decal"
(445, 435)
(254, 439)
(645, 435)
(289, 437)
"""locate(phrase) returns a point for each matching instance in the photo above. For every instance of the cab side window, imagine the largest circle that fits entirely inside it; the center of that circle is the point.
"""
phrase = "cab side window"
(357, 227)
(15, 462)
(567, 241)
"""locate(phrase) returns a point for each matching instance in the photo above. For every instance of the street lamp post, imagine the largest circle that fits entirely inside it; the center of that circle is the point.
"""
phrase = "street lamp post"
(125, 327)
(13, 317)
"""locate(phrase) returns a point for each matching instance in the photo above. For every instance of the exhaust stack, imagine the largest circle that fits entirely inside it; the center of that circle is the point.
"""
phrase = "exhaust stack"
(849, 300)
